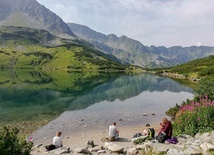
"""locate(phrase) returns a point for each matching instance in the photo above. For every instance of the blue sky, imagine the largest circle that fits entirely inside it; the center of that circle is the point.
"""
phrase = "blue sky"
(152, 22)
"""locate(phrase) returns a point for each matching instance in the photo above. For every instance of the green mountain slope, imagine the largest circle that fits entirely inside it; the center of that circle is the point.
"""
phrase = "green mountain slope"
(196, 68)
(26, 48)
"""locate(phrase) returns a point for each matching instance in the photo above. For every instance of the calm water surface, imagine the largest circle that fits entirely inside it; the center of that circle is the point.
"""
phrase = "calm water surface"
(84, 102)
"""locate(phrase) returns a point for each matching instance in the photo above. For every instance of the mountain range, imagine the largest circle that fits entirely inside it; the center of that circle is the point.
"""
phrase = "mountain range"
(29, 13)
(134, 52)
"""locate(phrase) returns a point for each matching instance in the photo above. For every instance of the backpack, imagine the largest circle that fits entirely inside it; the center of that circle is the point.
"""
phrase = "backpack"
(151, 133)
(173, 140)
(137, 135)
(161, 137)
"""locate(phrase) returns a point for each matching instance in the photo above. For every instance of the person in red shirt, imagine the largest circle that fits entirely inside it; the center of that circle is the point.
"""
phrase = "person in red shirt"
(166, 127)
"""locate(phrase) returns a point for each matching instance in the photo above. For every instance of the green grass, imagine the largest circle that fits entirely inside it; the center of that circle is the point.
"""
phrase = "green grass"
(25, 48)
(197, 68)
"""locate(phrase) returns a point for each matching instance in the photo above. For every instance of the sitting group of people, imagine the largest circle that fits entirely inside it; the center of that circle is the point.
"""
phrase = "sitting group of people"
(165, 132)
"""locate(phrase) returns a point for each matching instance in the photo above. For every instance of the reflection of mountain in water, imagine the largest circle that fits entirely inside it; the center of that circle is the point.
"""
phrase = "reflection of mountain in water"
(127, 86)
(28, 94)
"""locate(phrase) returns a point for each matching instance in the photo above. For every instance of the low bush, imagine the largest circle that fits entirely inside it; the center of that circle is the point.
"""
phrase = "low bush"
(12, 144)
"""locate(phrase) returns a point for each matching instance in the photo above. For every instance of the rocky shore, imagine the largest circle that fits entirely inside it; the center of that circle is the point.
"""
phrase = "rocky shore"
(200, 144)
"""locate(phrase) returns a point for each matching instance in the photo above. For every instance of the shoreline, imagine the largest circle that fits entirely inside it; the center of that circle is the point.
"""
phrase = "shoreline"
(78, 139)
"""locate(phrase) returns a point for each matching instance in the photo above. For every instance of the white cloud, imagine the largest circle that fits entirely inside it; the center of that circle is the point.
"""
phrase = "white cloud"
(152, 22)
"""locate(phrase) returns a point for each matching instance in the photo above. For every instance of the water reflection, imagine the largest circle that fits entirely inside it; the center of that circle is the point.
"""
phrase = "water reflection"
(27, 94)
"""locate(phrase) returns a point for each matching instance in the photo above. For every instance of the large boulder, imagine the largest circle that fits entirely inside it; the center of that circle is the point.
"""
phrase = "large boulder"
(115, 148)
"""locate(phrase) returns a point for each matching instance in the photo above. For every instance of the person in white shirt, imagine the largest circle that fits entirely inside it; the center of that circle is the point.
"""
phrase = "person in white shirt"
(113, 132)
(57, 140)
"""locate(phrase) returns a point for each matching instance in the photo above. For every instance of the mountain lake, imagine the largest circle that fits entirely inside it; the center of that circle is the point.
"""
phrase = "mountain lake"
(43, 102)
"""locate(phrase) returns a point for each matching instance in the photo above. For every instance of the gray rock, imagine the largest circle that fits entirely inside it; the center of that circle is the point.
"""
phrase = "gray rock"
(95, 149)
(207, 139)
(207, 134)
(61, 150)
(115, 148)
(204, 147)
(107, 144)
(90, 144)
(182, 139)
(180, 146)
(82, 150)
(210, 146)
(197, 135)
(39, 145)
(191, 151)
(159, 147)
(174, 152)
(195, 147)
(132, 151)
(101, 151)
(198, 141)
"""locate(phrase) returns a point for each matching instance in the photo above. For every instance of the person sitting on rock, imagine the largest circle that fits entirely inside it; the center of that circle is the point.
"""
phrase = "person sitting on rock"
(113, 132)
(57, 142)
(166, 130)
(150, 132)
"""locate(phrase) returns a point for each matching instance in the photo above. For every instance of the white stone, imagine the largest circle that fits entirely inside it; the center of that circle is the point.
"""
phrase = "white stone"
(191, 151)
(207, 139)
(107, 144)
(82, 150)
(195, 147)
(198, 141)
(132, 151)
(197, 135)
(210, 146)
(115, 148)
(61, 150)
(101, 151)
(204, 147)
(174, 152)
(182, 139)
(95, 149)
(158, 147)
(180, 146)
(204, 135)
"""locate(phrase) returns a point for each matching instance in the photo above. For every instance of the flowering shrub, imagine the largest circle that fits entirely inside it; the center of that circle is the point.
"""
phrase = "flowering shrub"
(196, 116)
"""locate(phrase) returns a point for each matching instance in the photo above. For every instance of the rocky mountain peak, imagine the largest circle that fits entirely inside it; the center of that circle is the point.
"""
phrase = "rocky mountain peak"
(29, 13)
